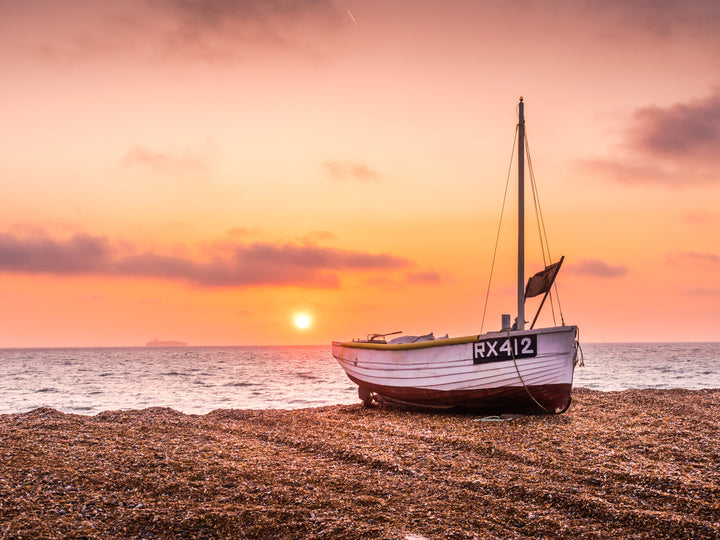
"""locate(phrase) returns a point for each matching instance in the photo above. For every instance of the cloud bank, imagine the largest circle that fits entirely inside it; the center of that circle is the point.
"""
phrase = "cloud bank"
(232, 265)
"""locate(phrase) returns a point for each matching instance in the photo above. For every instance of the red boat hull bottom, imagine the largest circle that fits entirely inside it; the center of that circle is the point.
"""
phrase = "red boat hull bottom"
(545, 398)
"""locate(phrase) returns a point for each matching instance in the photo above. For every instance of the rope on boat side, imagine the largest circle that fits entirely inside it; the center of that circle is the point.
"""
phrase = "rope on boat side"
(578, 349)
(525, 385)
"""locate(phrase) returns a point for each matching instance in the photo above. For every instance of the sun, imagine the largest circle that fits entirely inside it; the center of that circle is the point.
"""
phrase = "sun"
(302, 321)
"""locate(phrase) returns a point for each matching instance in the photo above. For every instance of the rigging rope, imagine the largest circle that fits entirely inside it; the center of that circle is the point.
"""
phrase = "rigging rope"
(542, 232)
(497, 238)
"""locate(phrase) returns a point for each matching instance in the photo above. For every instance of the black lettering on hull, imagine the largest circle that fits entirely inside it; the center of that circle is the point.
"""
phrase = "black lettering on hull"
(504, 348)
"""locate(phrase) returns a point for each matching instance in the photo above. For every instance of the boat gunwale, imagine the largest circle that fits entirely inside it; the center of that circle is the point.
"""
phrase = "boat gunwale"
(445, 342)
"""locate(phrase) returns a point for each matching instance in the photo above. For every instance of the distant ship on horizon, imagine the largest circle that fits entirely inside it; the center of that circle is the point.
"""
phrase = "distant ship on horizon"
(165, 343)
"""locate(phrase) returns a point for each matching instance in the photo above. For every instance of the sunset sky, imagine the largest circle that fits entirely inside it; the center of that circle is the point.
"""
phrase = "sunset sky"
(207, 170)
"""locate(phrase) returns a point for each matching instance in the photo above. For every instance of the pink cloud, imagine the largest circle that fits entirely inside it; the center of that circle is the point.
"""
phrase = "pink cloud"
(681, 131)
(674, 146)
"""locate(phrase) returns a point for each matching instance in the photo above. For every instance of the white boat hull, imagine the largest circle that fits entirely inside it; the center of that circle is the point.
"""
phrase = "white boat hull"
(521, 371)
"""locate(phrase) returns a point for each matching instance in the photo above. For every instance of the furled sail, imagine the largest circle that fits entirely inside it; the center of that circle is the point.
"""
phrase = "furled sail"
(541, 282)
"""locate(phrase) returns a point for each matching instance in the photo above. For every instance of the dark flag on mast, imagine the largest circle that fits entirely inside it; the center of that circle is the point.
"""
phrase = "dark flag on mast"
(542, 281)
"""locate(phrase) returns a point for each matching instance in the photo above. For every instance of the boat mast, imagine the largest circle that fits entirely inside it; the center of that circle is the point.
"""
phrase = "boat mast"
(521, 218)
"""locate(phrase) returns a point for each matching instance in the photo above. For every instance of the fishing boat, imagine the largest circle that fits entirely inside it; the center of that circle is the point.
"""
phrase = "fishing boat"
(514, 369)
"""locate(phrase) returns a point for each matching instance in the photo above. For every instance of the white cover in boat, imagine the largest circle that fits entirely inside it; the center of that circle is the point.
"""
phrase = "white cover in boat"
(412, 339)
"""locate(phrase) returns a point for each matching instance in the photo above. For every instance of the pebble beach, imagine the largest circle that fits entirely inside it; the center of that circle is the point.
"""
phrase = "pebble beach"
(626, 464)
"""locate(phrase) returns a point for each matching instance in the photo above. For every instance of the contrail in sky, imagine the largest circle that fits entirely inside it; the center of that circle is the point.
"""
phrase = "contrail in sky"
(351, 16)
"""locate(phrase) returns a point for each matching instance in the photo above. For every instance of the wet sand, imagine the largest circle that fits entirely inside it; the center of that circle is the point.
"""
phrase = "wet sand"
(632, 464)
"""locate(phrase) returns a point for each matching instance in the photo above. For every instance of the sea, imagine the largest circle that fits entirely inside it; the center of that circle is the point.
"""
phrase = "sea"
(197, 380)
